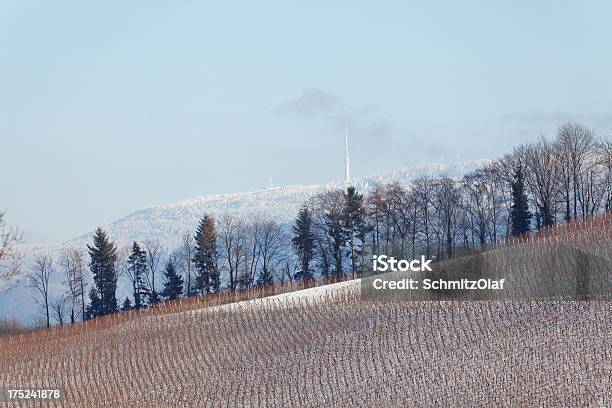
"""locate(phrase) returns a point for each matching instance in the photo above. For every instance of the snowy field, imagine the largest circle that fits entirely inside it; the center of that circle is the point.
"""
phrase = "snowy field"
(295, 350)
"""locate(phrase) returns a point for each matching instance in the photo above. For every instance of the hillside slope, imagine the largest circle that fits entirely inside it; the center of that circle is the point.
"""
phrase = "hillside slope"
(338, 352)
(330, 346)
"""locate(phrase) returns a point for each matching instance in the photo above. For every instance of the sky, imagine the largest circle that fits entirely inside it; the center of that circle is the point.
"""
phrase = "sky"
(108, 107)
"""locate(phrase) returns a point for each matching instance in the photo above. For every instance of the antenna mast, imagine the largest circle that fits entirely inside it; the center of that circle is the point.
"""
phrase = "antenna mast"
(347, 174)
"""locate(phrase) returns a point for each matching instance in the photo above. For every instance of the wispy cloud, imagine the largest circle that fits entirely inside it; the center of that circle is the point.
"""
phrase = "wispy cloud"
(313, 102)
(317, 104)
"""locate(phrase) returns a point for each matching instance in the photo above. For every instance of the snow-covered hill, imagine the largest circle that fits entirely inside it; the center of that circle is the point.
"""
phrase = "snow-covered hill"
(167, 222)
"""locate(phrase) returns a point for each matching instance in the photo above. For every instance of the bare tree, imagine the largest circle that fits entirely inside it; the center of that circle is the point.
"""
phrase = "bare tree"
(59, 309)
(186, 251)
(605, 158)
(476, 203)
(155, 253)
(483, 191)
(399, 209)
(543, 165)
(591, 189)
(253, 229)
(9, 257)
(504, 171)
(446, 199)
(575, 143)
(465, 223)
(289, 265)
(73, 264)
(39, 279)
(273, 244)
(423, 192)
(377, 213)
(233, 238)
(494, 185)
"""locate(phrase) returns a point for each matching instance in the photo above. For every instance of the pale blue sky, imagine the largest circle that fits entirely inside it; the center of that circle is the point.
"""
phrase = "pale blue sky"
(106, 107)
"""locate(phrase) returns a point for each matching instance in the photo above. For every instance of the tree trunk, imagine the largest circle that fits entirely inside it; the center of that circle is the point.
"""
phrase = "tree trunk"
(47, 311)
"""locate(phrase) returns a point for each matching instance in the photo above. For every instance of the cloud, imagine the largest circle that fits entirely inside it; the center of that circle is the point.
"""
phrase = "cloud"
(317, 104)
(313, 102)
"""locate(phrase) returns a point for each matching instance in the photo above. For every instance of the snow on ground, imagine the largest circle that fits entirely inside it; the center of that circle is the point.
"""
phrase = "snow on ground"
(315, 294)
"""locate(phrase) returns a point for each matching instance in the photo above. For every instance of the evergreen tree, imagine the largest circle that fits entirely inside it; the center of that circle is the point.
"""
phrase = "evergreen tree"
(548, 216)
(354, 221)
(519, 213)
(265, 278)
(127, 304)
(303, 241)
(137, 268)
(93, 307)
(205, 257)
(103, 254)
(173, 288)
(153, 297)
(335, 229)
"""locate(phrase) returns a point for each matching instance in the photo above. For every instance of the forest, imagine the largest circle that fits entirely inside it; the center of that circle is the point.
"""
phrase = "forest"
(335, 233)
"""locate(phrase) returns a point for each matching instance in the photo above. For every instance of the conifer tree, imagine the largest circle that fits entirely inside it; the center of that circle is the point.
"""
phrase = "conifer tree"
(127, 304)
(519, 213)
(265, 278)
(153, 297)
(103, 254)
(354, 221)
(137, 268)
(173, 288)
(331, 206)
(205, 257)
(93, 307)
(303, 241)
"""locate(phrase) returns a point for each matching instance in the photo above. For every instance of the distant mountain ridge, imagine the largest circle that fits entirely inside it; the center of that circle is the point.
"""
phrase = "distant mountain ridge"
(167, 222)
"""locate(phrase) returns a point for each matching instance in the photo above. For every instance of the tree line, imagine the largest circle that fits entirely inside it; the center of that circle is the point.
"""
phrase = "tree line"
(335, 232)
